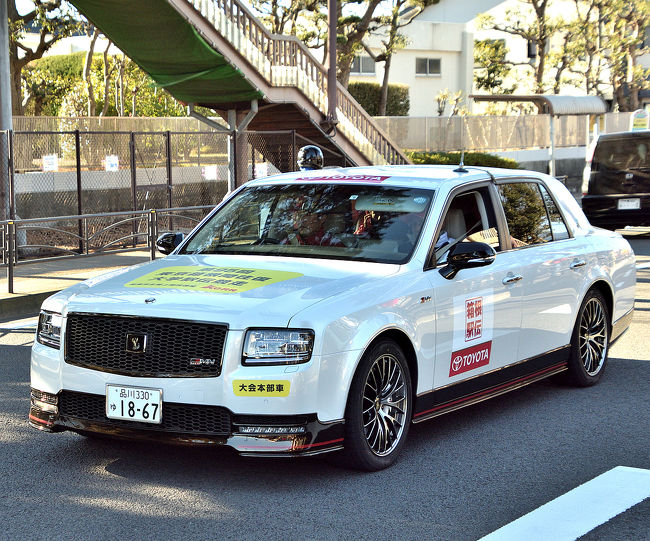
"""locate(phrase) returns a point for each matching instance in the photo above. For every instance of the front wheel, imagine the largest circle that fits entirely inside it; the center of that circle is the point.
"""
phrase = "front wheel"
(379, 408)
(590, 341)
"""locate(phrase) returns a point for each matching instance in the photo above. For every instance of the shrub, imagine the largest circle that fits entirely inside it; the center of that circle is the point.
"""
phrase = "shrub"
(480, 159)
(367, 94)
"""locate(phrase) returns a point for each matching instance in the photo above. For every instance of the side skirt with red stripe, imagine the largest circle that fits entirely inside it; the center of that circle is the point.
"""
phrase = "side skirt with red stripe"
(465, 393)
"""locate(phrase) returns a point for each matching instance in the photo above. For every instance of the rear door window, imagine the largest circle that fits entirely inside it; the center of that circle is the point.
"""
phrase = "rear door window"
(526, 215)
(558, 227)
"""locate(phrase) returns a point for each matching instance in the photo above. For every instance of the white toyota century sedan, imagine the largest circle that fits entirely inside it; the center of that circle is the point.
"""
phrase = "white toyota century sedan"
(328, 310)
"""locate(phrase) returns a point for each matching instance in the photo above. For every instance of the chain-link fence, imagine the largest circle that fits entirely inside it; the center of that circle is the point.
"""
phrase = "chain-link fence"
(85, 172)
(70, 173)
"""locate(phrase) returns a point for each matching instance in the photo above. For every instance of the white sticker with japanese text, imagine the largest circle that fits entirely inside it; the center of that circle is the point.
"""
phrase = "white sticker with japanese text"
(473, 329)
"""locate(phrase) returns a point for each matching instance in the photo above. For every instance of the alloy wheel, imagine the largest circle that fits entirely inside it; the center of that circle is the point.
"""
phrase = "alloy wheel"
(593, 337)
(385, 405)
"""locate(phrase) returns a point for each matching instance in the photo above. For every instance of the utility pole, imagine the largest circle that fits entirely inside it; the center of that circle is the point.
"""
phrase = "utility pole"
(5, 74)
(5, 107)
(331, 121)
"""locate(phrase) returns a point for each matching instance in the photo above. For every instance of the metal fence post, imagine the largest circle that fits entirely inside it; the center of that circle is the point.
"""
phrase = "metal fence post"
(152, 226)
(77, 142)
(86, 239)
(235, 169)
(134, 197)
(11, 228)
(168, 149)
(12, 178)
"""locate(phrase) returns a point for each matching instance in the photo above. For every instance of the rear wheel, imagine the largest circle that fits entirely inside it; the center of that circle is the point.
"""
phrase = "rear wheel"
(379, 408)
(590, 341)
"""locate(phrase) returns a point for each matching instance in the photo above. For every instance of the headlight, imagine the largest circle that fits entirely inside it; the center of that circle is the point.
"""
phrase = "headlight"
(49, 329)
(277, 346)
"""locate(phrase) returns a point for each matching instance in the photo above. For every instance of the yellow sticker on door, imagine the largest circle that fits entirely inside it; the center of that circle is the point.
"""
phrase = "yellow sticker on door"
(211, 279)
(256, 387)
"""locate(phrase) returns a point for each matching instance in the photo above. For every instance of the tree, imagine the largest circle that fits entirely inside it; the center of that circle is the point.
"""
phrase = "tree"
(352, 29)
(90, 88)
(402, 13)
(47, 80)
(307, 19)
(53, 20)
(625, 23)
(586, 45)
(284, 17)
(146, 99)
(442, 99)
(533, 24)
(491, 67)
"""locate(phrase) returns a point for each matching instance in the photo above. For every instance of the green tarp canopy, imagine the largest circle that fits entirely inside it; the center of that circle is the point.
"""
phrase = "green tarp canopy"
(169, 49)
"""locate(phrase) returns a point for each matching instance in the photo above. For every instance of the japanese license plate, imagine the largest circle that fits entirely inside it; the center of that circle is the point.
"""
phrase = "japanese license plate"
(134, 404)
(629, 204)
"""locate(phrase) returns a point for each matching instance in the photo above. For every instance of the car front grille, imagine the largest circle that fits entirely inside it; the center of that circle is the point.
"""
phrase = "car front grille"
(174, 348)
(176, 418)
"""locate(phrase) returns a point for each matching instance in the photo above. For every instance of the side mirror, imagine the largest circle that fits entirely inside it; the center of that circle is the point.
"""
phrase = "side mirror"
(167, 242)
(467, 255)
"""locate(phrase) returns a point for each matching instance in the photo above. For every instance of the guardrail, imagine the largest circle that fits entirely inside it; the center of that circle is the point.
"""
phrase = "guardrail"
(129, 231)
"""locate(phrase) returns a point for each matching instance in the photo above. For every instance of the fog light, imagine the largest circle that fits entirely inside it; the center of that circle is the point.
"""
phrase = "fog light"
(44, 401)
(271, 430)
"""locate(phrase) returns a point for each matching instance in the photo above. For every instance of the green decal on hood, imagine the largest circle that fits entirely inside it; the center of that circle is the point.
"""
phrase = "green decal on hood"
(211, 279)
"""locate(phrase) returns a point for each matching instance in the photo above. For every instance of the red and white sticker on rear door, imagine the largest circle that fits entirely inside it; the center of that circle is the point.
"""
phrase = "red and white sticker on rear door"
(473, 326)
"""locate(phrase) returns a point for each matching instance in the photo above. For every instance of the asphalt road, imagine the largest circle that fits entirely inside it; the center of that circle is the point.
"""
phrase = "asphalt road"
(460, 477)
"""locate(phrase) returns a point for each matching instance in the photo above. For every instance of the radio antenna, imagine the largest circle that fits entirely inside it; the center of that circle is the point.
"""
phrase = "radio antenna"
(461, 165)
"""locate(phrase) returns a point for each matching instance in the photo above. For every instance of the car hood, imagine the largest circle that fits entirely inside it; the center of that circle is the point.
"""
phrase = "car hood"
(239, 291)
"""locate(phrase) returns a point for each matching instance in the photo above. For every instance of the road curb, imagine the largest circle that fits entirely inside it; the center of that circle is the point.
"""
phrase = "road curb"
(23, 305)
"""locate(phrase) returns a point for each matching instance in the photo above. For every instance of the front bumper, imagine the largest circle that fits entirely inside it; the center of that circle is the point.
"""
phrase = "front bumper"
(259, 435)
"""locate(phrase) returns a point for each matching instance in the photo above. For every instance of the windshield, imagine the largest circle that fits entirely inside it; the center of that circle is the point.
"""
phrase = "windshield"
(364, 223)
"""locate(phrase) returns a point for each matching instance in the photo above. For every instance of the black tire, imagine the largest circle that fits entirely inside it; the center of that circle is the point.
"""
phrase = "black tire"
(589, 341)
(379, 408)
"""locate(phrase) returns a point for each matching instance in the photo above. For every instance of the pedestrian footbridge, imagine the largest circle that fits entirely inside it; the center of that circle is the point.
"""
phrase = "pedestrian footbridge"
(216, 54)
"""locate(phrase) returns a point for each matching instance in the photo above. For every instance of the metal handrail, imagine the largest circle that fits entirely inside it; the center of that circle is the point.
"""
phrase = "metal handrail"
(286, 61)
(10, 228)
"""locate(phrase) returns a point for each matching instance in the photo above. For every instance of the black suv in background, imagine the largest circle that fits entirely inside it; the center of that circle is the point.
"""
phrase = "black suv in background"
(616, 180)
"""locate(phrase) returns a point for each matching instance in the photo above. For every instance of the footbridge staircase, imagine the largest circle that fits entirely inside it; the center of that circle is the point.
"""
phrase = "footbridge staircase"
(216, 54)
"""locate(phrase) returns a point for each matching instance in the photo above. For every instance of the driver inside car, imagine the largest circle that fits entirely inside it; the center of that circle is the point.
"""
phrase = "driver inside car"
(308, 228)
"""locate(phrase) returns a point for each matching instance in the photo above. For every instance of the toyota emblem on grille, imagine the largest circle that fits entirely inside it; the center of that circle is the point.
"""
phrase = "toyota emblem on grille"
(136, 343)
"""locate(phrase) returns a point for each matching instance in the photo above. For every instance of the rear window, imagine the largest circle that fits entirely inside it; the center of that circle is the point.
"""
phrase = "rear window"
(621, 165)
(623, 153)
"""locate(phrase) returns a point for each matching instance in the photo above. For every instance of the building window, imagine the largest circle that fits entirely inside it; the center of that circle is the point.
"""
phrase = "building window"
(363, 65)
(427, 66)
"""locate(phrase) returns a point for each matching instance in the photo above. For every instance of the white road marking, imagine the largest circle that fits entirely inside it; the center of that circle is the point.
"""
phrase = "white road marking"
(582, 509)
(643, 266)
(22, 324)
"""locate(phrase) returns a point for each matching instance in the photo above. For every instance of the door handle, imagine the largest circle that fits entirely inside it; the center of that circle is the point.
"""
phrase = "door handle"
(578, 263)
(511, 279)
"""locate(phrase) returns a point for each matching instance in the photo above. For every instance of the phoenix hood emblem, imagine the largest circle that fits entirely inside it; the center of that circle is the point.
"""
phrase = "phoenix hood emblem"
(136, 343)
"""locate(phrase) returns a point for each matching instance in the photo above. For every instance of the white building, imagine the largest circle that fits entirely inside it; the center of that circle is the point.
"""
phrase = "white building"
(439, 54)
